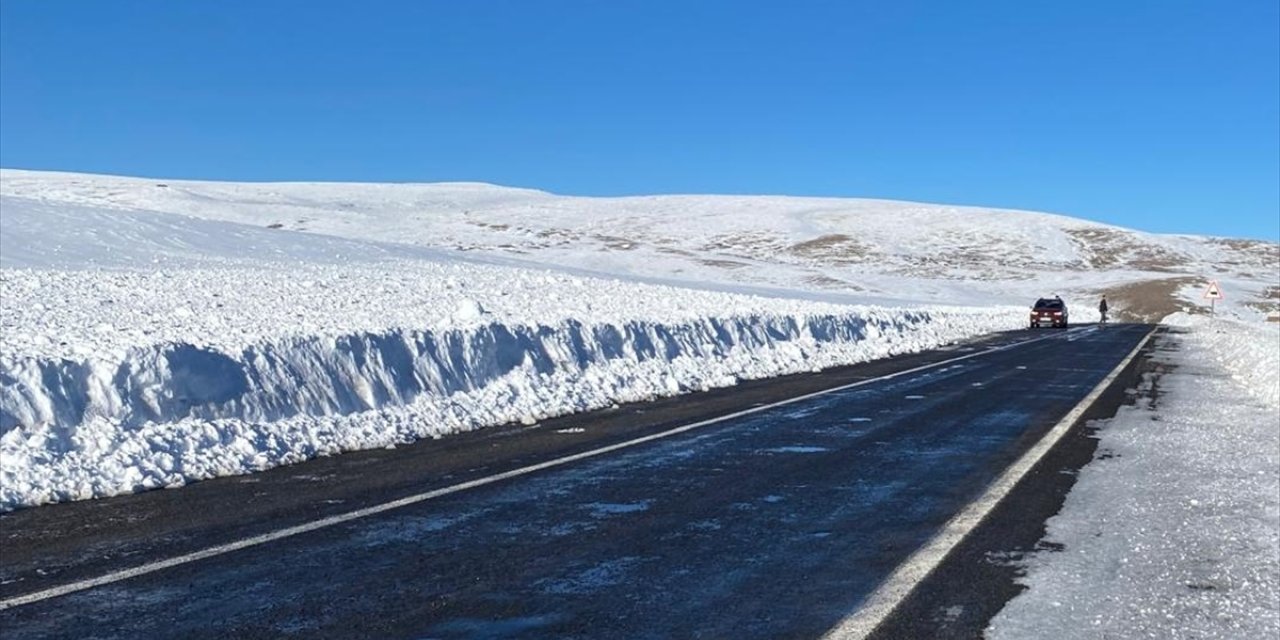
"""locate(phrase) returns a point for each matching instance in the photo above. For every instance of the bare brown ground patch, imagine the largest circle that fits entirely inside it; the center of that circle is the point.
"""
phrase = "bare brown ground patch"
(615, 243)
(1259, 247)
(674, 252)
(1268, 303)
(722, 264)
(1149, 300)
(489, 225)
(1105, 248)
(827, 282)
(1249, 255)
(1272, 309)
(833, 248)
(741, 242)
(1093, 244)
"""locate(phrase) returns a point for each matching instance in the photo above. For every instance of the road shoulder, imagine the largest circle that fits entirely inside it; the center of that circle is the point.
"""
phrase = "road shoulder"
(979, 576)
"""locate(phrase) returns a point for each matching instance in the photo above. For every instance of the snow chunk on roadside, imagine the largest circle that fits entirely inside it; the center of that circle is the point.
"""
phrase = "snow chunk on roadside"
(468, 311)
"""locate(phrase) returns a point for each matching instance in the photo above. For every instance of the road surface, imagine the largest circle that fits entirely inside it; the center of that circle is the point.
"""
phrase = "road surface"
(777, 521)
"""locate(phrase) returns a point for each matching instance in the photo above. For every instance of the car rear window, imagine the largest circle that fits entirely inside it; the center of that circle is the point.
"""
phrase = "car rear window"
(1045, 303)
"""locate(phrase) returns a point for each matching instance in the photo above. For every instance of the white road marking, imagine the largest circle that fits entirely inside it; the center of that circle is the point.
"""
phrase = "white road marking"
(160, 565)
(895, 589)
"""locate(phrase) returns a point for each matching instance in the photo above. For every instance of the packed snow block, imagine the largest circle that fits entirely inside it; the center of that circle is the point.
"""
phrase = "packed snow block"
(168, 413)
(180, 381)
(34, 391)
(174, 382)
(322, 376)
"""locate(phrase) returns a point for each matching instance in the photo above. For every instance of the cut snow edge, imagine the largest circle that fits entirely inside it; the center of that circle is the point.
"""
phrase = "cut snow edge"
(174, 413)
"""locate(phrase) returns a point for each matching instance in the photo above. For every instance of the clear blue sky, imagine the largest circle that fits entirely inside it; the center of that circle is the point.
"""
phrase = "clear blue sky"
(1162, 115)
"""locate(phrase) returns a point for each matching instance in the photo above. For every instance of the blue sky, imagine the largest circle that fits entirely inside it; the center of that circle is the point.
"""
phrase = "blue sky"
(1162, 115)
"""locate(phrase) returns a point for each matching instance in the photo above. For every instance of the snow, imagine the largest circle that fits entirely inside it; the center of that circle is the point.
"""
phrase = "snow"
(156, 332)
(836, 249)
(1174, 530)
(142, 349)
(264, 369)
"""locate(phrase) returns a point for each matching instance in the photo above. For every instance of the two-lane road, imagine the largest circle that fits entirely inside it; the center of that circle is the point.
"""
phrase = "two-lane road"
(777, 522)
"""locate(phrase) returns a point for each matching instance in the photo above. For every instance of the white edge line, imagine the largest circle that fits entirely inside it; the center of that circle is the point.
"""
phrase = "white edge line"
(898, 586)
(330, 521)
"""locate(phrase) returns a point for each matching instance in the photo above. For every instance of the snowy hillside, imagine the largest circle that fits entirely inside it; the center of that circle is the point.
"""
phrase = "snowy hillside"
(836, 249)
(153, 333)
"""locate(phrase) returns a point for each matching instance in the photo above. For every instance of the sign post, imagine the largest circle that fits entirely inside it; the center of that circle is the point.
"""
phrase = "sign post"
(1213, 293)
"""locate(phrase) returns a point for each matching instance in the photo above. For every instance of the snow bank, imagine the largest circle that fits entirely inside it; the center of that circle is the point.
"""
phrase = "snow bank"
(114, 381)
(143, 348)
(1249, 351)
(1174, 531)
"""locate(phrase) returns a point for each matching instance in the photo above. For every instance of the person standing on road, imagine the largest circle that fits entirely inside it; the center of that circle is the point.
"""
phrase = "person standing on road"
(1102, 309)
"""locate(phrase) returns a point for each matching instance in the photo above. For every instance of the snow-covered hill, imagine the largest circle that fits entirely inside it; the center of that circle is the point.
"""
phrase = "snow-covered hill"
(831, 248)
(156, 332)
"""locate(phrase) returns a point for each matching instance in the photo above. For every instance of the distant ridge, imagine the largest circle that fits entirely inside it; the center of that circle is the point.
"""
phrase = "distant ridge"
(843, 247)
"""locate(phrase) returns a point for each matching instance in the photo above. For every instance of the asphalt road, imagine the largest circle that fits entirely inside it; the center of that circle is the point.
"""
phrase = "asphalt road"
(778, 523)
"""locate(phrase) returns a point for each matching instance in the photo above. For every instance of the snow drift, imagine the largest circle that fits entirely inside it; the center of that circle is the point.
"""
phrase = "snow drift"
(170, 413)
(140, 349)
(325, 376)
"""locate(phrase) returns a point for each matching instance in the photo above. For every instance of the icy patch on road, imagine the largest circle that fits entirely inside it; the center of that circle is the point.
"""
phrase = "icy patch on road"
(592, 579)
(606, 509)
(497, 628)
(796, 449)
(1175, 531)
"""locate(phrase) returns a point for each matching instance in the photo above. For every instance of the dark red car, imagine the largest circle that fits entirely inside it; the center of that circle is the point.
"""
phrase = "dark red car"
(1049, 311)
